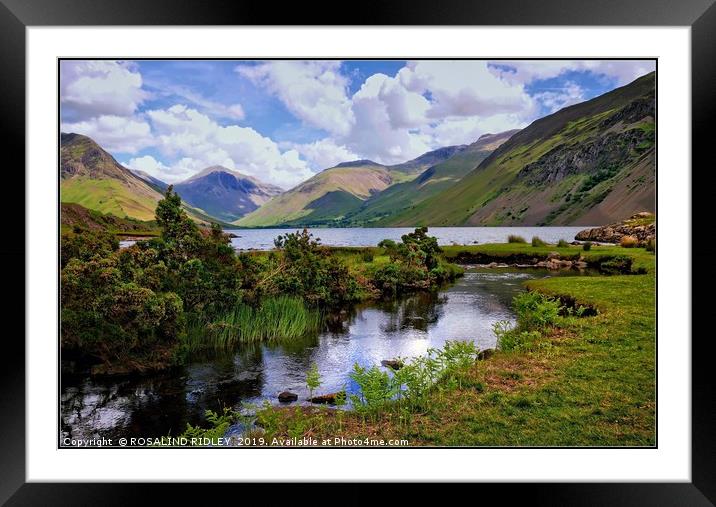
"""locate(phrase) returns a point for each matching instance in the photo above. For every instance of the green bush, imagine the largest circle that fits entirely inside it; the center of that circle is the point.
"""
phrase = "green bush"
(562, 244)
(535, 310)
(513, 238)
(651, 245)
(587, 246)
(84, 244)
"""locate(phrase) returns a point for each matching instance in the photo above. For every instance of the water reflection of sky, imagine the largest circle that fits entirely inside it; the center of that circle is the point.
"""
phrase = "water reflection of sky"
(406, 328)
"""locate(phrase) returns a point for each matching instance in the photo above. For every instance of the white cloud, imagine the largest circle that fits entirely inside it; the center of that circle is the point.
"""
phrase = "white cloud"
(429, 104)
(624, 71)
(92, 88)
(232, 111)
(114, 133)
(464, 88)
(181, 170)
(183, 131)
(324, 153)
(554, 100)
(314, 91)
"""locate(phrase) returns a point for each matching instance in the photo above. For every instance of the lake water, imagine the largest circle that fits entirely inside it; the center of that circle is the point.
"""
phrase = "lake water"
(262, 239)
(162, 404)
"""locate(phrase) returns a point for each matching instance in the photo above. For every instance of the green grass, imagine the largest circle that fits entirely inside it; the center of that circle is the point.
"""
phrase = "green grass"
(107, 196)
(282, 318)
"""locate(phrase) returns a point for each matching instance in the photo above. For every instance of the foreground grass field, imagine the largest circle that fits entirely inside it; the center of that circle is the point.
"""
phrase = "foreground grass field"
(587, 381)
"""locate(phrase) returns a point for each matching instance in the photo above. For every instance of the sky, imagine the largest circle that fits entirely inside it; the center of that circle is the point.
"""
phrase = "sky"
(283, 121)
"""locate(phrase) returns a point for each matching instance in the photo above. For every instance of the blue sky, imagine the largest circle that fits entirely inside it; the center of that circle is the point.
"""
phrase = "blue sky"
(283, 121)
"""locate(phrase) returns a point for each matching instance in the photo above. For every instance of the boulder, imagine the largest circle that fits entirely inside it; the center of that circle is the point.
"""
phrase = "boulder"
(393, 364)
(287, 397)
(325, 399)
(553, 255)
(485, 354)
(613, 233)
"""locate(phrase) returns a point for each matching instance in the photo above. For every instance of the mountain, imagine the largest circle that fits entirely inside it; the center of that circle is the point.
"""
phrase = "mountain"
(91, 177)
(225, 194)
(381, 209)
(420, 164)
(588, 164)
(332, 192)
(153, 182)
(337, 192)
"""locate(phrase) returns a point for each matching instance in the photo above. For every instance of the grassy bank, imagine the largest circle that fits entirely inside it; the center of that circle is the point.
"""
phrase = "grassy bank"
(582, 381)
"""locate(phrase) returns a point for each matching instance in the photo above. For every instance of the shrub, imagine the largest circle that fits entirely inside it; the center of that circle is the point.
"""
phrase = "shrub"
(535, 310)
(367, 256)
(84, 244)
(513, 238)
(536, 241)
(651, 245)
(587, 246)
(562, 244)
(313, 380)
(510, 339)
(629, 241)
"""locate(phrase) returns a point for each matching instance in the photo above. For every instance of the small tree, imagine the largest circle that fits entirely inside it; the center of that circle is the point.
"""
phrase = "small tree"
(313, 379)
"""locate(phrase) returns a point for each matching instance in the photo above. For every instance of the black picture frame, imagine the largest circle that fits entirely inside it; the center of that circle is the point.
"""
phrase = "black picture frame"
(700, 15)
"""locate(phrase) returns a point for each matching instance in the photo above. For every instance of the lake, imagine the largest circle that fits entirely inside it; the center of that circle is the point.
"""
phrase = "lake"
(262, 239)
(160, 404)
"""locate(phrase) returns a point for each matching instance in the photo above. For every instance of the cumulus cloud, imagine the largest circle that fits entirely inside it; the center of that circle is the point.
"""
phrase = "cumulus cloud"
(114, 133)
(313, 90)
(623, 71)
(464, 88)
(92, 88)
(181, 130)
(323, 153)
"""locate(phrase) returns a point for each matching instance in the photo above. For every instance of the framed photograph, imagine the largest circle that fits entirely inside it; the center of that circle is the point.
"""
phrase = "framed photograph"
(421, 247)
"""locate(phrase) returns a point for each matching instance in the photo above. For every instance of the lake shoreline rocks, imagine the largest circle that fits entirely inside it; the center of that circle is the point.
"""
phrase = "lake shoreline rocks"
(641, 226)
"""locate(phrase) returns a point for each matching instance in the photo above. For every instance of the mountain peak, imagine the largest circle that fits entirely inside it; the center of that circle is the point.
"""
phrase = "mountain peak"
(359, 163)
(225, 193)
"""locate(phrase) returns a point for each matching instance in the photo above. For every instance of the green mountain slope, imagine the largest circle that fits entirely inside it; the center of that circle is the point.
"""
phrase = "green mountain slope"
(91, 177)
(591, 163)
(341, 189)
(381, 209)
(333, 194)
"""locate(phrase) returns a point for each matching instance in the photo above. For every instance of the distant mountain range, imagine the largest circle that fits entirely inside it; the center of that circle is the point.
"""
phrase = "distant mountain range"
(591, 163)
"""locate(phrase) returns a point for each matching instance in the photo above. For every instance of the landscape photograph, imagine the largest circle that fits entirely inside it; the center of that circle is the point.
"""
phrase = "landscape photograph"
(357, 253)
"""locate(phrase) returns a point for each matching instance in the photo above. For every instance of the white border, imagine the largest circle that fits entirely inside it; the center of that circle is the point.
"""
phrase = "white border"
(671, 461)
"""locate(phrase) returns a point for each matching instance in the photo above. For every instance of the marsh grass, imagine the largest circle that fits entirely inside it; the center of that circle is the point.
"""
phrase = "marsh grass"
(276, 319)
(538, 242)
(514, 238)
